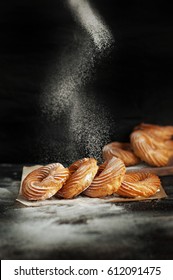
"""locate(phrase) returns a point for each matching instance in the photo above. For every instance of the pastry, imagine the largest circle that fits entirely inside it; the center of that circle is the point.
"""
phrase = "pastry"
(82, 174)
(162, 132)
(108, 179)
(44, 182)
(122, 151)
(139, 184)
(150, 149)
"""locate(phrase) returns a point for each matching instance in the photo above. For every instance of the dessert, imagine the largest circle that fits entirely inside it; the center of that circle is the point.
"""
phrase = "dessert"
(139, 184)
(121, 150)
(44, 182)
(82, 174)
(108, 179)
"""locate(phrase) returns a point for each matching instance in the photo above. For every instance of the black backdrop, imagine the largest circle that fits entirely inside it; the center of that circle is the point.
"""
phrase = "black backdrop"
(135, 82)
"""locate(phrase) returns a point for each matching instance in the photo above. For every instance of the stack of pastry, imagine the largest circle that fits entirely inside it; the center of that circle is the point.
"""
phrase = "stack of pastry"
(148, 143)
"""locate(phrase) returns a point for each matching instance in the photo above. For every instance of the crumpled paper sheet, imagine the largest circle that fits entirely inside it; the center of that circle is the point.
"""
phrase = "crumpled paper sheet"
(53, 200)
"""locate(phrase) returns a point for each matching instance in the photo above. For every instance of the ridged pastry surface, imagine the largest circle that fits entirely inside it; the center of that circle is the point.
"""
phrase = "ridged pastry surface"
(108, 178)
(139, 184)
(161, 132)
(122, 151)
(44, 182)
(151, 150)
(82, 174)
(75, 165)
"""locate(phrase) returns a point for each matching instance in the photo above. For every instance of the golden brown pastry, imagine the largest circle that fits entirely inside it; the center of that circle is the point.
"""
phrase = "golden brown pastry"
(75, 165)
(151, 149)
(122, 151)
(44, 182)
(139, 184)
(107, 180)
(161, 132)
(82, 173)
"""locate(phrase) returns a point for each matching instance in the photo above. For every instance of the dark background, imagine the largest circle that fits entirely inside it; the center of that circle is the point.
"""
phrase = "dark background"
(135, 82)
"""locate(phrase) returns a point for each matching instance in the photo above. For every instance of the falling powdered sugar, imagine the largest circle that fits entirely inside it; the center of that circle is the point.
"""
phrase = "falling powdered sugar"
(92, 22)
(87, 120)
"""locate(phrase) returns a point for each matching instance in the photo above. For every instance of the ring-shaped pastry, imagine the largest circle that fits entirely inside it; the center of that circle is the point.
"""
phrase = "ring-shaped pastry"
(151, 150)
(108, 179)
(82, 173)
(161, 132)
(121, 150)
(139, 184)
(44, 182)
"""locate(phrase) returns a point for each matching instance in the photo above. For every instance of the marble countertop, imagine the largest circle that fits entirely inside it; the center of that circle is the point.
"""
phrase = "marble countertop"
(130, 230)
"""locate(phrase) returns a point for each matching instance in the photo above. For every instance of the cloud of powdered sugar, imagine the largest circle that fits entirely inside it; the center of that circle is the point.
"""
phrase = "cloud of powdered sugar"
(66, 94)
